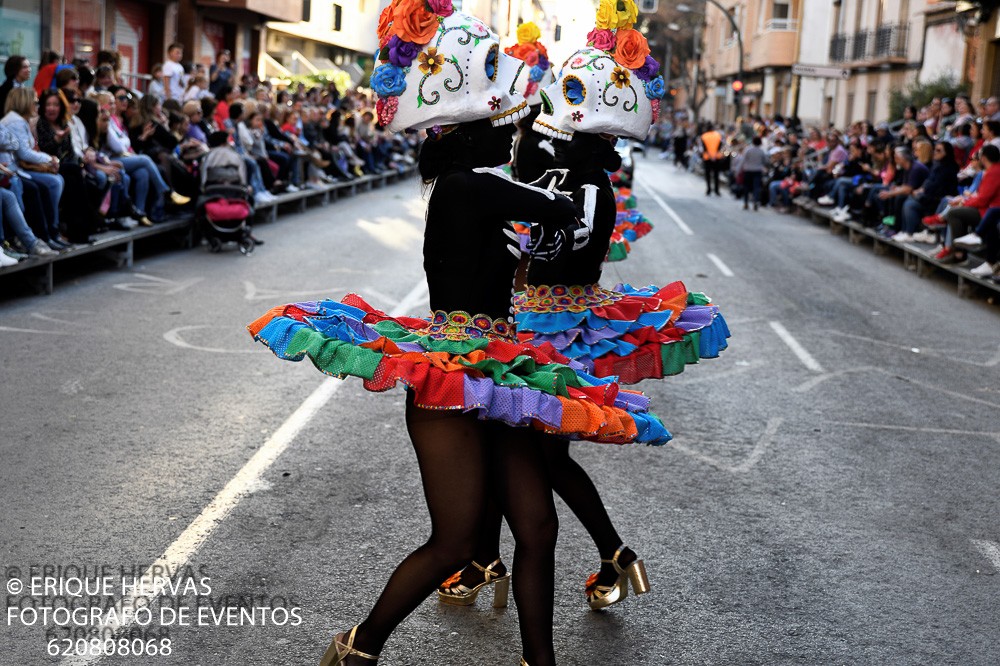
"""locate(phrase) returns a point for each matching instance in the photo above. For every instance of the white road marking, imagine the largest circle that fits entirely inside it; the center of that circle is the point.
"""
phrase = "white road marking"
(797, 349)
(992, 362)
(11, 329)
(990, 550)
(247, 480)
(759, 449)
(725, 270)
(663, 204)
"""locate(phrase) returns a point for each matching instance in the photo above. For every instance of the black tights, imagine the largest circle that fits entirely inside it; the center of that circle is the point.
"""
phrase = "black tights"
(455, 453)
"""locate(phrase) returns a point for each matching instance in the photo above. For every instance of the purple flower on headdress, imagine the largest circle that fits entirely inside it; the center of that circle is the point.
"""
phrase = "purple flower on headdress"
(401, 53)
(543, 62)
(649, 69)
(442, 7)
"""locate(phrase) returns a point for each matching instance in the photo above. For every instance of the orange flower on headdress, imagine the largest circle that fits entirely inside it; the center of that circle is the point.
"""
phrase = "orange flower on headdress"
(385, 26)
(430, 61)
(412, 22)
(632, 49)
(620, 77)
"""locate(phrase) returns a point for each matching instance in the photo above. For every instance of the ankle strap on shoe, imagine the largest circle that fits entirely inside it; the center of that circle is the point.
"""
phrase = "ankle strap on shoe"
(488, 569)
(614, 559)
(351, 650)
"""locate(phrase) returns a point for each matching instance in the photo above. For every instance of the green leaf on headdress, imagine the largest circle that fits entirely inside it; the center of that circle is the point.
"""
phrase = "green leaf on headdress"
(420, 100)
(384, 53)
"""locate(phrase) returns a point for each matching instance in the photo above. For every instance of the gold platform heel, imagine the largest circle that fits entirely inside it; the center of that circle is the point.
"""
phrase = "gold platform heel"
(338, 652)
(523, 662)
(454, 593)
(602, 596)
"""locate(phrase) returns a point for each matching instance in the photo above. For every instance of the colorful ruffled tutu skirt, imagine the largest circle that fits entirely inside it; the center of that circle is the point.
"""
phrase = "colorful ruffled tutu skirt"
(628, 333)
(454, 361)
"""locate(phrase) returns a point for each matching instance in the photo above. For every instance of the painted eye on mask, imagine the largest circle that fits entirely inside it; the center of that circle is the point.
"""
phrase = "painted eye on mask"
(574, 91)
(491, 62)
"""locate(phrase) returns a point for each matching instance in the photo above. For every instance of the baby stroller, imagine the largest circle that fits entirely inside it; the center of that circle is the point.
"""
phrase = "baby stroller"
(225, 205)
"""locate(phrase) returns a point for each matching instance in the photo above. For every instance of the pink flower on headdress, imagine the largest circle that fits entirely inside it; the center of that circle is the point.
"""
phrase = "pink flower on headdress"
(386, 108)
(603, 40)
(441, 7)
(656, 109)
(531, 58)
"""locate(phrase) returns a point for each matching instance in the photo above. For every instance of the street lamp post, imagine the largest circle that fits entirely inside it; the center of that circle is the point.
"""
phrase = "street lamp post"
(739, 38)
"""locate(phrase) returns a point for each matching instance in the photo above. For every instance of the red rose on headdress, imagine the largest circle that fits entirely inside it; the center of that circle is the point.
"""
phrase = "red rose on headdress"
(603, 40)
(632, 49)
(411, 21)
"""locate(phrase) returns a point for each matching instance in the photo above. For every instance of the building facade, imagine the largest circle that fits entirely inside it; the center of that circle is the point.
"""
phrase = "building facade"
(856, 51)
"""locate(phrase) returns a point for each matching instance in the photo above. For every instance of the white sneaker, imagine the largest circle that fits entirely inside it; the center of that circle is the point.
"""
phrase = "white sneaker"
(7, 261)
(969, 240)
(983, 270)
(926, 237)
(903, 237)
(291, 188)
(842, 216)
(263, 198)
(825, 200)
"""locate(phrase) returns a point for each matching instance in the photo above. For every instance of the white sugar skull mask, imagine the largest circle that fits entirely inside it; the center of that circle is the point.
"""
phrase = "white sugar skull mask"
(595, 95)
(461, 75)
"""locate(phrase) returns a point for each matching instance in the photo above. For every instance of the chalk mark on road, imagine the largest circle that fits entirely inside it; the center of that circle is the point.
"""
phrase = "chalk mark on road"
(993, 362)
(759, 449)
(247, 480)
(669, 211)
(13, 329)
(989, 550)
(686, 379)
(934, 388)
(904, 428)
(173, 336)
(254, 293)
(156, 285)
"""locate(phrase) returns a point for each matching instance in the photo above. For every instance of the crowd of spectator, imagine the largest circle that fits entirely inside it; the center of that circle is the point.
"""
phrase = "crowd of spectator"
(81, 150)
(931, 178)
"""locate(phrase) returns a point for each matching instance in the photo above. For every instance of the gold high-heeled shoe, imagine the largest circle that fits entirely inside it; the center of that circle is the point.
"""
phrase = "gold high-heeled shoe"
(338, 651)
(453, 592)
(602, 596)
(523, 662)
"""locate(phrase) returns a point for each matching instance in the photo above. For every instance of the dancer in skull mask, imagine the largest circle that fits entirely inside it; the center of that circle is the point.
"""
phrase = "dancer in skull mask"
(641, 333)
(458, 366)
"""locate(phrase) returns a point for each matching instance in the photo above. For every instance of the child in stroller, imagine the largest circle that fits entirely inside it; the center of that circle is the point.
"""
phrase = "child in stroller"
(225, 205)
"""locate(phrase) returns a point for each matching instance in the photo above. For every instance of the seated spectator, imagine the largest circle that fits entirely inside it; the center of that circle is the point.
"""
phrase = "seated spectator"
(78, 211)
(910, 176)
(141, 169)
(197, 88)
(987, 235)
(149, 133)
(11, 209)
(942, 181)
(850, 177)
(21, 109)
(193, 111)
(965, 213)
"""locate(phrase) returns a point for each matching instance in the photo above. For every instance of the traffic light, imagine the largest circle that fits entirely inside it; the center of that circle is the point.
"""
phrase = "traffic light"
(737, 86)
(737, 93)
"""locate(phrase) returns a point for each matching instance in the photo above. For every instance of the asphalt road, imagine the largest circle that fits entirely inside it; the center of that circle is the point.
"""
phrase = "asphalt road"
(830, 496)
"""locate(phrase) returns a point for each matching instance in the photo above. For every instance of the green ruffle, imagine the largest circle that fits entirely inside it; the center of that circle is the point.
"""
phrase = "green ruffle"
(334, 357)
(678, 354)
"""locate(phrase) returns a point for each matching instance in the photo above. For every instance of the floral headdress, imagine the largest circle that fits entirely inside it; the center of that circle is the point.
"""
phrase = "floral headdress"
(612, 86)
(535, 55)
(439, 67)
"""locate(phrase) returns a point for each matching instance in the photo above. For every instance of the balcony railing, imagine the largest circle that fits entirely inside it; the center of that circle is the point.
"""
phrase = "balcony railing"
(886, 42)
(781, 25)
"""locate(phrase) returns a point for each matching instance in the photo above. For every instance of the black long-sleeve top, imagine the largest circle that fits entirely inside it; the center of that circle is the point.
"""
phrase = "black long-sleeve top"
(468, 265)
(48, 143)
(530, 159)
(162, 140)
(581, 267)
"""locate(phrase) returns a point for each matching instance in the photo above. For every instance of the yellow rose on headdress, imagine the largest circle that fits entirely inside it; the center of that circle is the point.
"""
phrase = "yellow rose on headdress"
(607, 15)
(627, 12)
(528, 33)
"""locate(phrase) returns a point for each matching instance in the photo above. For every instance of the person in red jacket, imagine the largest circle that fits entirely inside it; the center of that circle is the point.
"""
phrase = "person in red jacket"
(965, 215)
